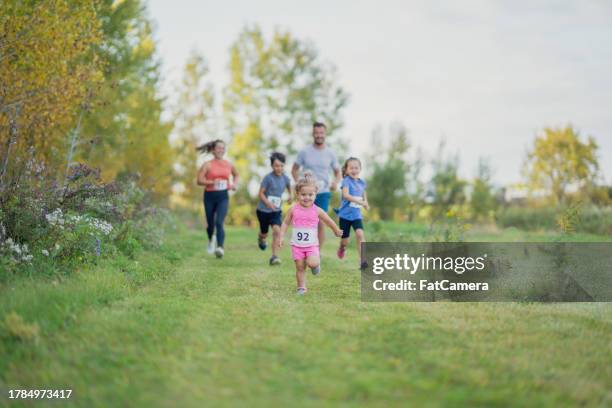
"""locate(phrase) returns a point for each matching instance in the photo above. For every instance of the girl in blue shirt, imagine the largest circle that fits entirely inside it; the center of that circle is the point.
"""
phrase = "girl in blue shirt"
(353, 198)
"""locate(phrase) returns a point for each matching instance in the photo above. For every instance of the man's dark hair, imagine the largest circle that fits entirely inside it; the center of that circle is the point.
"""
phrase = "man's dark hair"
(277, 156)
(318, 124)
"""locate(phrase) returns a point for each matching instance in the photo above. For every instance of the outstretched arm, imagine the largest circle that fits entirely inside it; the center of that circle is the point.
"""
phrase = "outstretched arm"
(285, 226)
(329, 222)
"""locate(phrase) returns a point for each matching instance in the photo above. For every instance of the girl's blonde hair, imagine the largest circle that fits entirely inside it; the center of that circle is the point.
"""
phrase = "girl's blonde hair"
(346, 163)
(307, 180)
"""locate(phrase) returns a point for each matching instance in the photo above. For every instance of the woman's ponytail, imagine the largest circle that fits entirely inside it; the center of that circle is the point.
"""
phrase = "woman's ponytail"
(208, 147)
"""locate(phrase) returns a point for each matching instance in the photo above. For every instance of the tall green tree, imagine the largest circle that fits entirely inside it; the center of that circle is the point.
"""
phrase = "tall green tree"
(446, 187)
(124, 129)
(194, 123)
(278, 87)
(558, 159)
(482, 200)
(387, 184)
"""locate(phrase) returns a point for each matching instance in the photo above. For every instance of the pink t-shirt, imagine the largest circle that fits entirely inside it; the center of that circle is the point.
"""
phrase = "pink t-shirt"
(304, 222)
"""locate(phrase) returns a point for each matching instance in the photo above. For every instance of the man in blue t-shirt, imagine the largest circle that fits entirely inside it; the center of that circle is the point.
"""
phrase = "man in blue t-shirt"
(319, 160)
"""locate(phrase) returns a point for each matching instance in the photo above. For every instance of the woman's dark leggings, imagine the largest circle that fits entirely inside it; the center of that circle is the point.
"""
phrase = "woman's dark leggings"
(215, 207)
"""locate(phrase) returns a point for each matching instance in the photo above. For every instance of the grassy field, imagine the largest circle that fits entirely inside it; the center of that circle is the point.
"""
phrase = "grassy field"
(179, 328)
(476, 233)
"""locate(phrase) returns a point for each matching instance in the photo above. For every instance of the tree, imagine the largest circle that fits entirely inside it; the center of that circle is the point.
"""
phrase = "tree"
(124, 130)
(194, 118)
(559, 159)
(482, 200)
(415, 186)
(387, 190)
(47, 68)
(278, 88)
(446, 188)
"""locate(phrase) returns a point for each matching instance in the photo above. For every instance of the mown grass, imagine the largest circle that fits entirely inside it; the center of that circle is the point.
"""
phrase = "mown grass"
(179, 328)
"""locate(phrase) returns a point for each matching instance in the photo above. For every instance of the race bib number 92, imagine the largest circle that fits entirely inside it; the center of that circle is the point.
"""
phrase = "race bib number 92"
(304, 237)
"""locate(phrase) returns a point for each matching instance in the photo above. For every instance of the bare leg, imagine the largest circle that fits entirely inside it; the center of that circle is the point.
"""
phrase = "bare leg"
(344, 242)
(360, 238)
(313, 261)
(342, 248)
(300, 276)
(275, 239)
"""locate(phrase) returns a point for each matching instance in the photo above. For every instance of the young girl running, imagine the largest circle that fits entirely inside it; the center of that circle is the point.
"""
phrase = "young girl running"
(304, 218)
(353, 198)
(214, 175)
(269, 209)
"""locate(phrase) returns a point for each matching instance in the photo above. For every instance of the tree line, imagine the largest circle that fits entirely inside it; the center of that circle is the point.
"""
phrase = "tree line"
(559, 170)
(80, 83)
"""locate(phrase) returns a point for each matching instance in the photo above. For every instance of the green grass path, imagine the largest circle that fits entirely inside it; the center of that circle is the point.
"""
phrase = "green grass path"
(179, 328)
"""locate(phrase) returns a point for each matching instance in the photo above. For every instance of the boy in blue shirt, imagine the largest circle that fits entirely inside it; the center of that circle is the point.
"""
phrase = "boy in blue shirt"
(353, 198)
(270, 203)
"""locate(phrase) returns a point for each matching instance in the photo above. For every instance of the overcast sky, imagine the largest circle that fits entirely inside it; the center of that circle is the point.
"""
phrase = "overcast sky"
(485, 75)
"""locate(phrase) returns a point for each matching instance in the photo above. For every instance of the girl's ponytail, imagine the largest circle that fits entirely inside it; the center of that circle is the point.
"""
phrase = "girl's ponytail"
(307, 179)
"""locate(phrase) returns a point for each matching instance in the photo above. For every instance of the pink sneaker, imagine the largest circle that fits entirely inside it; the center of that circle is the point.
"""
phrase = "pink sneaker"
(341, 252)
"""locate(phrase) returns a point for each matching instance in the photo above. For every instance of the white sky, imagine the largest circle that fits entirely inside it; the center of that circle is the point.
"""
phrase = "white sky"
(486, 75)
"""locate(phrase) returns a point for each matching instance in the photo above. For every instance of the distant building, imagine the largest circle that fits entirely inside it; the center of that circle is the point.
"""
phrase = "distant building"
(519, 193)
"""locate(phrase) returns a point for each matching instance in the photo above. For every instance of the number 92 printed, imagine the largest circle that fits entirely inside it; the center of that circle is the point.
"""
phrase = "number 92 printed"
(39, 394)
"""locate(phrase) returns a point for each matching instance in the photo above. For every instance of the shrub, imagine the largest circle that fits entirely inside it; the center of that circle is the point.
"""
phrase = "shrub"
(528, 218)
(77, 221)
(593, 220)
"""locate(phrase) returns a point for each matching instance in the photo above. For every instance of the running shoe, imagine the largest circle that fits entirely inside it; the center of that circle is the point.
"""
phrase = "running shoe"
(275, 260)
(341, 252)
(261, 243)
(363, 265)
(219, 252)
(212, 244)
(301, 291)
(316, 270)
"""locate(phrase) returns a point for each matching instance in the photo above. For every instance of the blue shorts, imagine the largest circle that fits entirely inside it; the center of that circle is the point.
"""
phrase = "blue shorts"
(322, 200)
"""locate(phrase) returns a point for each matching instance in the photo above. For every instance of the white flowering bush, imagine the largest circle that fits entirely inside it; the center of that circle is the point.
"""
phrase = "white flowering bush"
(51, 227)
(94, 226)
(13, 254)
(17, 253)
(76, 237)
